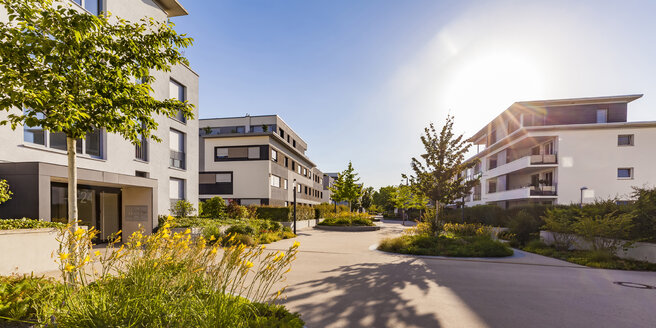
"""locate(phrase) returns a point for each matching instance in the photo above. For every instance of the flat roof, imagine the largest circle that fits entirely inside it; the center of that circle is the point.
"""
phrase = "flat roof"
(173, 8)
(247, 116)
(559, 102)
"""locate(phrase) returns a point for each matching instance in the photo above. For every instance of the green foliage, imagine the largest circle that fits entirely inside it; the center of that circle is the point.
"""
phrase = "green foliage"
(22, 296)
(466, 229)
(24, 223)
(591, 258)
(644, 211)
(182, 208)
(5, 193)
(366, 200)
(525, 226)
(347, 219)
(383, 198)
(346, 187)
(442, 245)
(604, 232)
(560, 221)
(214, 207)
(236, 211)
(438, 174)
(282, 214)
(375, 209)
(242, 229)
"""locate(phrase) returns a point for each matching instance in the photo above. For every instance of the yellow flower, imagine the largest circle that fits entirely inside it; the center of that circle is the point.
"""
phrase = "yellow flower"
(248, 264)
(96, 253)
(279, 257)
(87, 259)
(63, 256)
(138, 244)
(188, 231)
(69, 268)
(262, 247)
(213, 251)
(296, 244)
(212, 238)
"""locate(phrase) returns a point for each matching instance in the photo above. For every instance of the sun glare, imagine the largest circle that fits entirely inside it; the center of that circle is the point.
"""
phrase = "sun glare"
(483, 85)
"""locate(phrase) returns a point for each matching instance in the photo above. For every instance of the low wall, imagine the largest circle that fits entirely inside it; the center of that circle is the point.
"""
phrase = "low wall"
(302, 224)
(638, 251)
(26, 251)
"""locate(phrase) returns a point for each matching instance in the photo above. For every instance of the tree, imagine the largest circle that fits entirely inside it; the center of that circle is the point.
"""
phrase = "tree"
(383, 198)
(438, 174)
(5, 193)
(367, 197)
(73, 72)
(346, 187)
(401, 198)
(214, 208)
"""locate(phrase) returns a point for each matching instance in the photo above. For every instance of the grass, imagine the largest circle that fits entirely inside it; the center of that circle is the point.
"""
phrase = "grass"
(443, 245)
(590, 258)
(24, 223)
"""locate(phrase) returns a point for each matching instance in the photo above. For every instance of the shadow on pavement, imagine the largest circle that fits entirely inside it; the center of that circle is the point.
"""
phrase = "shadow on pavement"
(366, 295)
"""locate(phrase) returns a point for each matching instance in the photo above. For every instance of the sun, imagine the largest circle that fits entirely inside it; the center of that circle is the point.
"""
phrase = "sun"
(486, 84)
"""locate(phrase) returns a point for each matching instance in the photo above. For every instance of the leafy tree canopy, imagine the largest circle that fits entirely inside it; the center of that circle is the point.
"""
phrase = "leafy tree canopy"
(346, 187)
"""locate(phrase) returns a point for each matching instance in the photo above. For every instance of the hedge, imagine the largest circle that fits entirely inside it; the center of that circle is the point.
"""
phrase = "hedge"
(24, 223)
(323, 209)
(285, 214)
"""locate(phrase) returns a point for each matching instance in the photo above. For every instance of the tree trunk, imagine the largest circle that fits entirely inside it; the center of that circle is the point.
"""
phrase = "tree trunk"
(437, 216)
(403, 217)
(72, 182)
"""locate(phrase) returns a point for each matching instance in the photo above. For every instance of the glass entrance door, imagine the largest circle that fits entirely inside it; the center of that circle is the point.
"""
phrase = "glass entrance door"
(109, 214)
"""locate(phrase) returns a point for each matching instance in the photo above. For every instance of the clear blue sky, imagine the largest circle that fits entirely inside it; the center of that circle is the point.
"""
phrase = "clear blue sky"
(358, 80)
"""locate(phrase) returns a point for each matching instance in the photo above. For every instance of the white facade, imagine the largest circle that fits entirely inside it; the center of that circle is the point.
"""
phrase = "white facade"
(257, 159)
(141, 176)
(551, 162)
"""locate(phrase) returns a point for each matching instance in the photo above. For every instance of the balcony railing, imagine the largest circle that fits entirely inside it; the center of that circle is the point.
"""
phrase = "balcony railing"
(544, 190)
(177, 159)
(544, 159)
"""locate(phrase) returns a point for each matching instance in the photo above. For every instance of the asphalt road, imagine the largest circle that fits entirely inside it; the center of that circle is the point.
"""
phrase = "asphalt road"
(340, 280)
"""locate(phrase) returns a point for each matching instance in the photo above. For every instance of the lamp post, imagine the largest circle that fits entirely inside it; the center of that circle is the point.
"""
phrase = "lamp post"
(294, 206)
(582, 189)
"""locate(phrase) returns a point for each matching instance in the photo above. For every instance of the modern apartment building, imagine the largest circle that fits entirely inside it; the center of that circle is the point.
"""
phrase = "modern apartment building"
(256, 160)
(563, 151)
(121, 186)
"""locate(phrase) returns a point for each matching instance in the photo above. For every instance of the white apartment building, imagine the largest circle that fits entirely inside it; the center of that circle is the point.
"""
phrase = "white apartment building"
(256, 160)
(563, 151)
(121, 186)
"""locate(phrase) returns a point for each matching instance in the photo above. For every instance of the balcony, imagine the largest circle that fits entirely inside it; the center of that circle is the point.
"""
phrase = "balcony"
(522, 193)
(524, 164)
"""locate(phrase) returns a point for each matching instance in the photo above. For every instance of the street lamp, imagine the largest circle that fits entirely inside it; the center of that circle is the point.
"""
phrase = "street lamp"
(582, 189)
(294, 206)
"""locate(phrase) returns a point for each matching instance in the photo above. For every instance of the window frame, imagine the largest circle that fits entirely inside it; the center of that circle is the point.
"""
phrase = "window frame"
(631, 138)
(275, 178)
(630, 170)
(178, 117)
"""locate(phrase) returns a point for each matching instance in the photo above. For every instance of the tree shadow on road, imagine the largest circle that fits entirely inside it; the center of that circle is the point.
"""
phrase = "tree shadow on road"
(366, 295)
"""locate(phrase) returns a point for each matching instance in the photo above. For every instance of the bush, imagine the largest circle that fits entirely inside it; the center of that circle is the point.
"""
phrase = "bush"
(347, 219)
(426, 244)
(236, 211)
(282, 214)
(182, 208)
(605, 232)
(560, 221)
(214, 207)
(5, 193)
(525, 226)
(21, 297)
(241, 228)
(24, 223)
(466, 229)
(644, 212)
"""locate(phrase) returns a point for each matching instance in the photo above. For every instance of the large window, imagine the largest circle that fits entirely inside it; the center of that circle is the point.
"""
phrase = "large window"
(602, 115)
(274, 155)
(253, 152)
(92, 145)
(176, 189)
(177, 147)
(177, 91)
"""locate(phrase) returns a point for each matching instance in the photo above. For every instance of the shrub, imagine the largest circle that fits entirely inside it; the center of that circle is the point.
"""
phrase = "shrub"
(24, 223)
(236, 211)
(347, 219)
(214, 207)
(282, 214)
(5, 193)
(605, 232)
(467, 229)
(426, 244)
(22, 296)
(644, 212)
(524, 226)
(561, 222)
(241, 228)
(182, 208)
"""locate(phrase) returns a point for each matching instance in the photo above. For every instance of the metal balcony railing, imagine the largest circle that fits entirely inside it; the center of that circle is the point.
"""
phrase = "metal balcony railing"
(544, 190)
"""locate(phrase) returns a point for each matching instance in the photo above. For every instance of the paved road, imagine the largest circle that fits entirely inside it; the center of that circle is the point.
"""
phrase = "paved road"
(338, 280)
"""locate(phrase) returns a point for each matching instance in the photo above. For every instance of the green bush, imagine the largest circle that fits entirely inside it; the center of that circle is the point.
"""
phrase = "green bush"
(426, 244)
(24, 223)
(241, 228)
(466, 229)
(282, 214)
(591, 258)
(644, 215)
(347, 219)
(182, 208)
(5, 193)
(236, 211)
(525, 226)
(214, 207)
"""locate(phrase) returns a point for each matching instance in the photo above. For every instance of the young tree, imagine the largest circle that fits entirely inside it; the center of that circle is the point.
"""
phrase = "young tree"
(346, 186)
(383, 198)
(401, 198)
(367, 197)
(438, 173)
(69, 71)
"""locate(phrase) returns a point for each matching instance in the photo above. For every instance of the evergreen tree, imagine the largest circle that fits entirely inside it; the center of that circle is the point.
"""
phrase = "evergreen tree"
(346, 187)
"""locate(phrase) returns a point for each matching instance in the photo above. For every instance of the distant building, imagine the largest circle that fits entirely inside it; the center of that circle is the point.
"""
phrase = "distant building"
(254, 160)
(554, 151)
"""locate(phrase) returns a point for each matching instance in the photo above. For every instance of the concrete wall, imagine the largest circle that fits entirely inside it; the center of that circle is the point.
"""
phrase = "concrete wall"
(638, 251)
(28, 250)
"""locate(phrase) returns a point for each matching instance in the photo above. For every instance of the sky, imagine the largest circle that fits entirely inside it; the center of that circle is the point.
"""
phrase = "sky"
(359, 80)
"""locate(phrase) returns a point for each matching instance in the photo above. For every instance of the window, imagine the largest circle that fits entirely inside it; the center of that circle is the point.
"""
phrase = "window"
(286, 161)
(93, 6)
(223, 178)
(306, 190)
(602, 115)
(549, 148)
(282, 133)
(299, 169)
(548, 179)
(177, 149)
(274, 155)
(177, 91)
(253, 152)
(305, 173)
(492, 186)
(492, 162)
(286, 184)
(221, 152)
(625, 173)
(625, 140)
(275, 181)
(263, 128)
(293, 166)
(34, 134)
(176, 189)
(288, 138)
(300, 188)
(141, 150)
(141, 174)
(57, 140)
(93, 143)
(294, 143)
